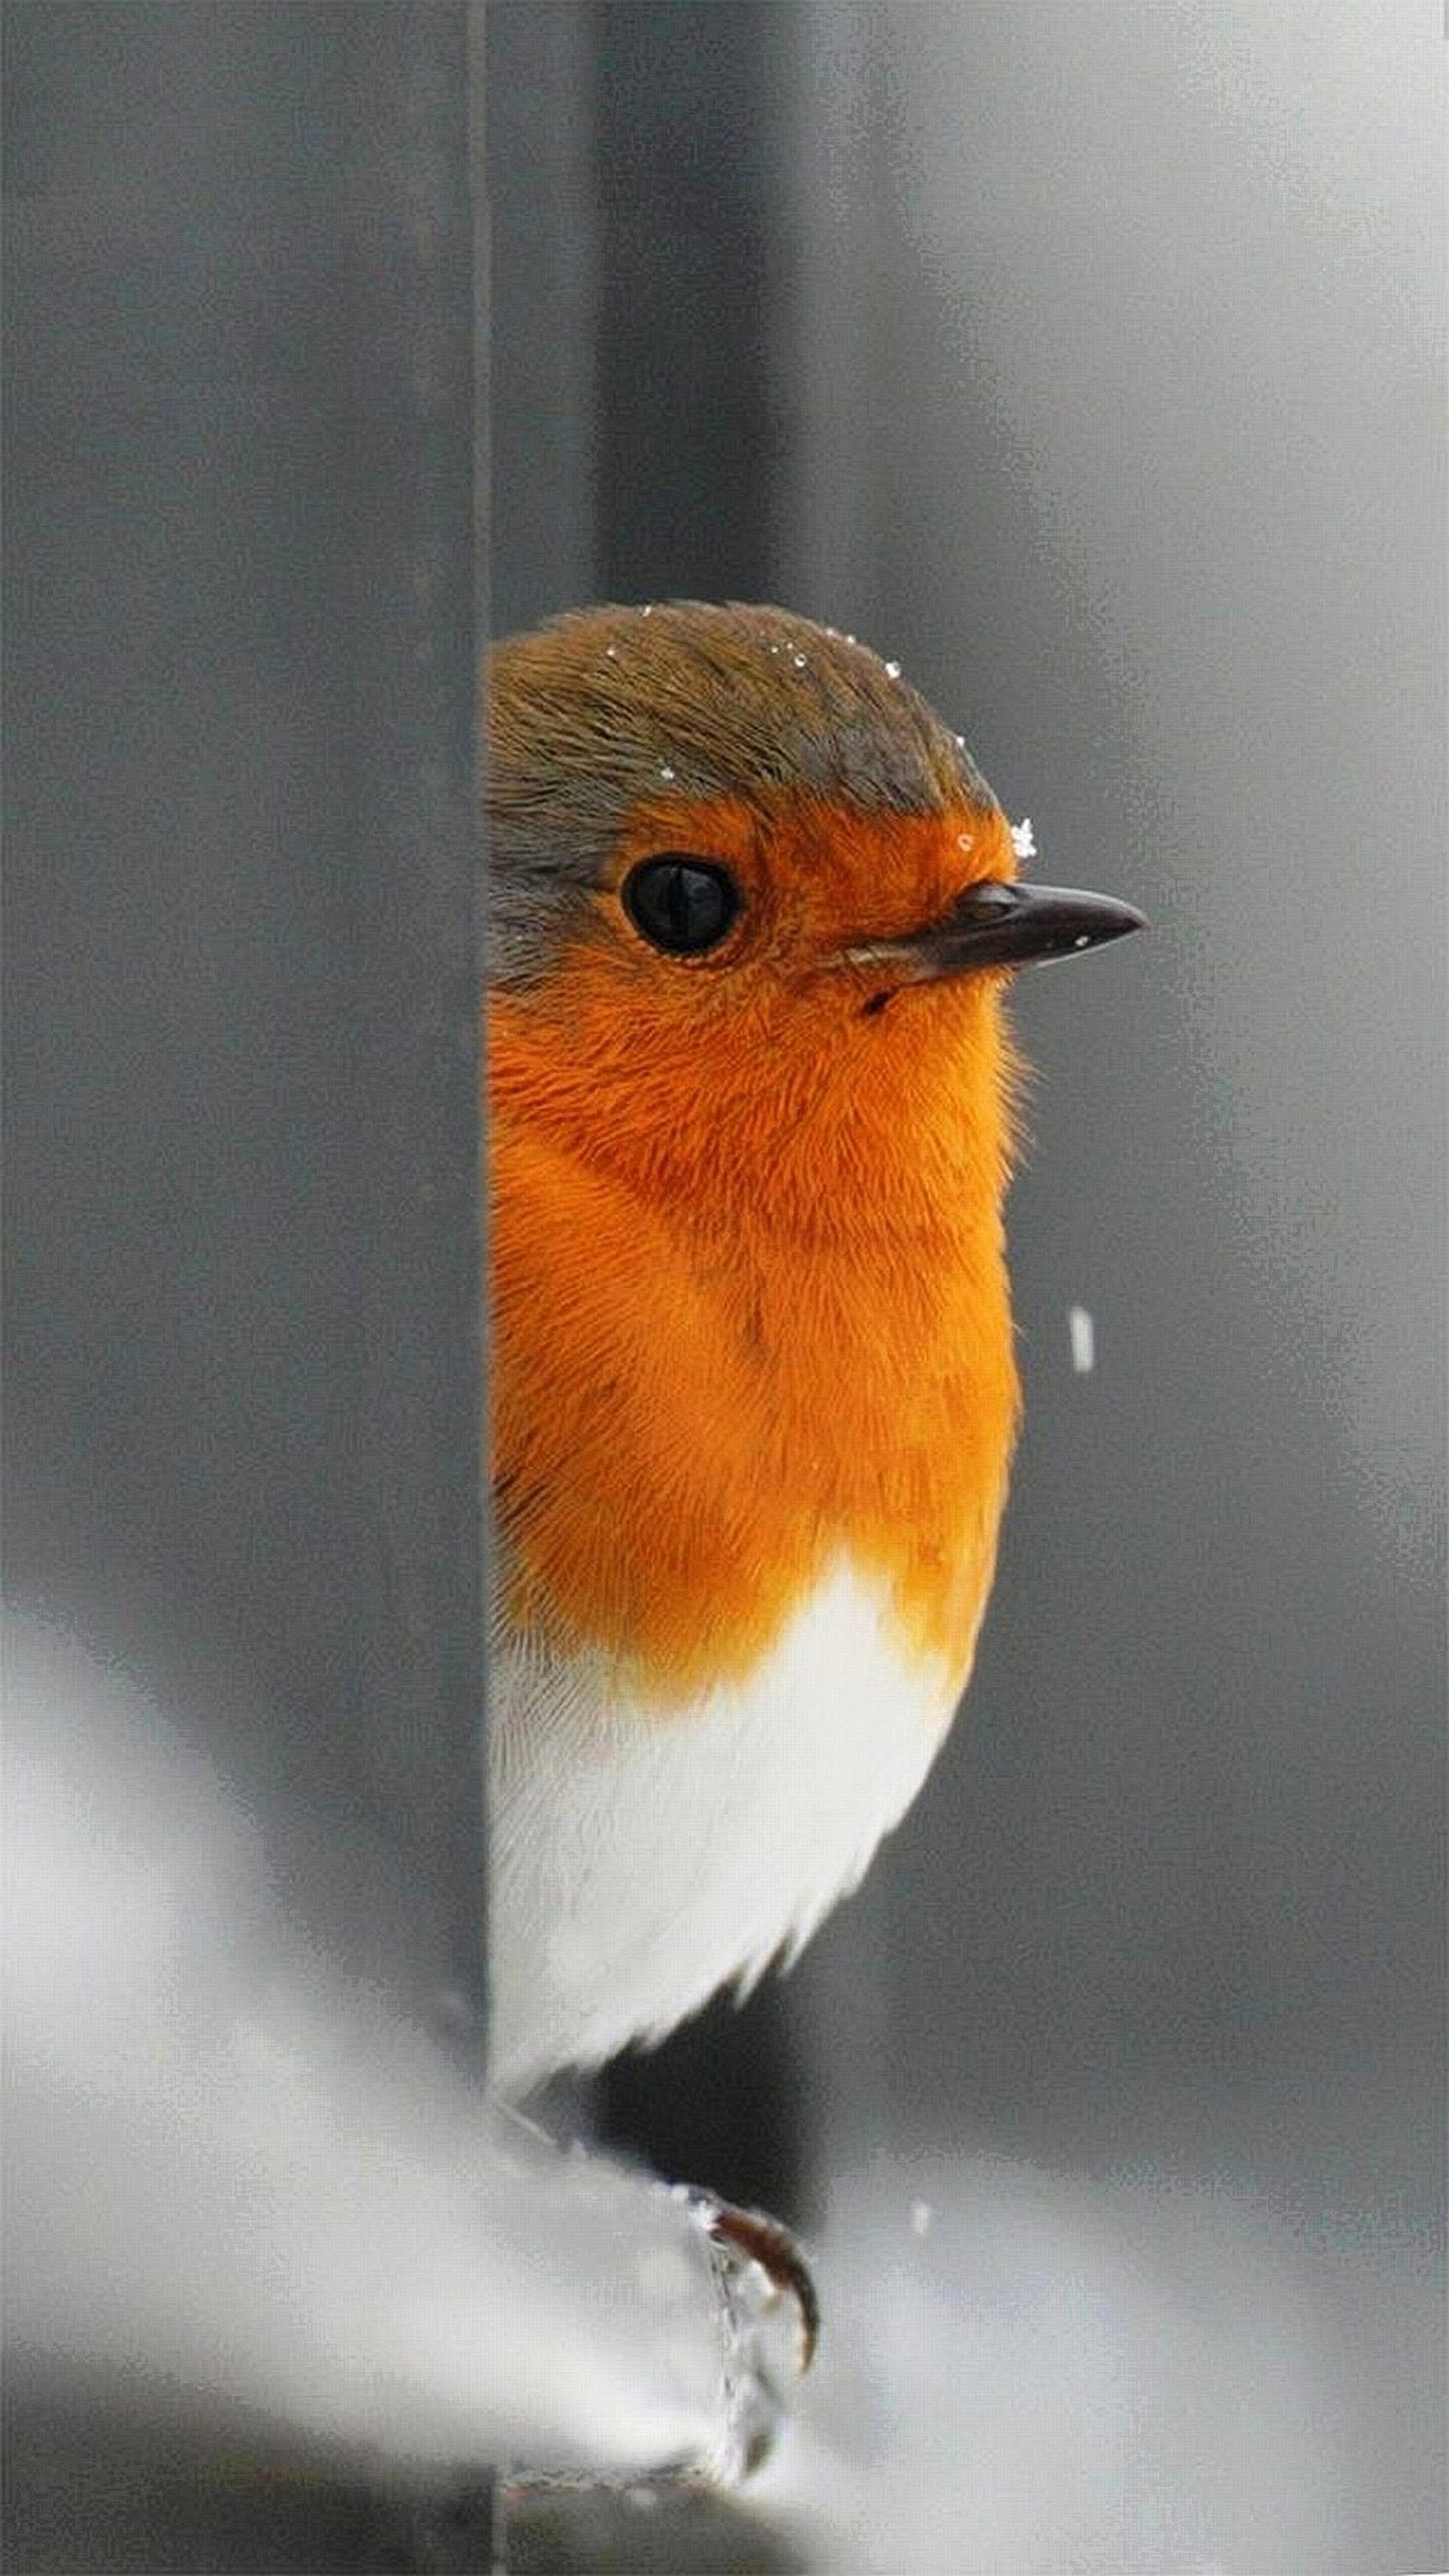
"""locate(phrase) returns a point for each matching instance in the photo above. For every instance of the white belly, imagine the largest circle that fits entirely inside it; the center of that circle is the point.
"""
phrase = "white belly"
(639, 1861)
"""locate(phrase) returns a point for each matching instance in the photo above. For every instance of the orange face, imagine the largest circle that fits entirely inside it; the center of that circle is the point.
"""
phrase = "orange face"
(749, 1289)
(782, 1071)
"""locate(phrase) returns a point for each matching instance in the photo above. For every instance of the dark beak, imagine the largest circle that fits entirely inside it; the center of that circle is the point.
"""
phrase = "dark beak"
(1006, 925)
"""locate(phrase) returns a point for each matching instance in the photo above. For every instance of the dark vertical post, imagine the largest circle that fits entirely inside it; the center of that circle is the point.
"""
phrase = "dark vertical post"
(690, 439)
(543, 227)
(689, 423)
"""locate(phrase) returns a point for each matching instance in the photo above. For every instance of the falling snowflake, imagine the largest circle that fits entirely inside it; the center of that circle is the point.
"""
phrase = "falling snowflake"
(1083, 1336)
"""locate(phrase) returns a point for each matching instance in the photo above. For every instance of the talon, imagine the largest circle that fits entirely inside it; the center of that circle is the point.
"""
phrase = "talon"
(763, 2240)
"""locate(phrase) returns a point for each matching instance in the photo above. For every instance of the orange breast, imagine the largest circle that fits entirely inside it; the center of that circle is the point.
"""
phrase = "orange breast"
(699, 1399)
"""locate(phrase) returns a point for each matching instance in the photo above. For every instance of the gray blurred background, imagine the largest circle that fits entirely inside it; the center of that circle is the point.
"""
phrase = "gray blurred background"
(1090, 360)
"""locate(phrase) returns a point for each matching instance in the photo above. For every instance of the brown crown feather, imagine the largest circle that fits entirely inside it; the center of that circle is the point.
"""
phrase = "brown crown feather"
(606, 706)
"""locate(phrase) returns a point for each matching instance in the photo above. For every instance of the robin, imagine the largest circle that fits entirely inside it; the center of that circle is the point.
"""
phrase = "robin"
(754, 1394)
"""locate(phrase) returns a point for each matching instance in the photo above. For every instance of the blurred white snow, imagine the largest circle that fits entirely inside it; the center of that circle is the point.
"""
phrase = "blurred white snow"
(234, 2177)
(1132, 2376)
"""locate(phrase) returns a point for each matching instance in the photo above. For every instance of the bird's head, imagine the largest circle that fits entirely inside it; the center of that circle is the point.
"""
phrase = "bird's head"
(753, 906)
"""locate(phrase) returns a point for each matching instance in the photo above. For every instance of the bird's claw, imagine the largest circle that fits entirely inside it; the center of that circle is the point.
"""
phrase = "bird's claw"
(760, 2239)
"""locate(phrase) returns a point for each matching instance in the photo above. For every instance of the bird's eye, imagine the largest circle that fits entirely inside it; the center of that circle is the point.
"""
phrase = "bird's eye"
(679, 904)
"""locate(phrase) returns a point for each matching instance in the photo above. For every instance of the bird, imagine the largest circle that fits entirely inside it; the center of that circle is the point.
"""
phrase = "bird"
(753, 1108)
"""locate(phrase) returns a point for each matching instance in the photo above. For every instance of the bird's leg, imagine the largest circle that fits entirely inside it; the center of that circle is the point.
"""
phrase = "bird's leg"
(761, 2239)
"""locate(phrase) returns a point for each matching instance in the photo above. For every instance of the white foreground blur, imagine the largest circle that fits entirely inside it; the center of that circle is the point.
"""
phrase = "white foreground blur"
(239, 2182)
(1135, 2374)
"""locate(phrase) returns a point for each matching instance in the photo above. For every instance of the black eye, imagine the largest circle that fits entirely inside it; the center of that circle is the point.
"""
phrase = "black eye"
(682, 905)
